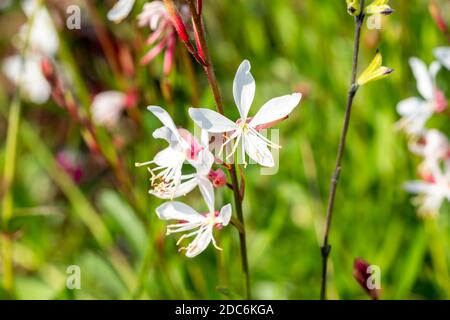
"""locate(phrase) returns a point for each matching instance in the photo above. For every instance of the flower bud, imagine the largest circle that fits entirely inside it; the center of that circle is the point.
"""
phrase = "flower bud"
(217, 178)
(379, 7)
(361, 275)
(353, 7)
(375, 71)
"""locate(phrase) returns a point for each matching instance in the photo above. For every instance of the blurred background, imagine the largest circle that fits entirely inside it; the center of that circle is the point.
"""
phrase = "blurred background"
(70, 206)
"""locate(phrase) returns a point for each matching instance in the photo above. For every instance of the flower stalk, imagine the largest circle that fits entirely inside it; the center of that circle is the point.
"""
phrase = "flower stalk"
(326, 247)
(203, 57)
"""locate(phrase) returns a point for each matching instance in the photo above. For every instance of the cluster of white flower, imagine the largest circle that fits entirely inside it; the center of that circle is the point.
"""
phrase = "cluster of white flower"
(429, 143)
(166, 168)
(37, 39)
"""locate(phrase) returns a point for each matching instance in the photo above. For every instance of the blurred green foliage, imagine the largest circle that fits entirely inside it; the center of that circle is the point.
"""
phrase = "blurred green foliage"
(293, 45)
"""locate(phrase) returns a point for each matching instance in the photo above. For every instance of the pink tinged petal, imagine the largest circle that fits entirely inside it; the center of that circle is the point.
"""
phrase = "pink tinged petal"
(424, 81)
(175, 210)
(225, 214)
(244, 89)
(276, 109)
(153, 52)
(168, 55)
(194, 146)
(203, 162)
(257, 150)
(200, 243)
(120, 10)
(443, 55)
(211, 121)
(440, 101)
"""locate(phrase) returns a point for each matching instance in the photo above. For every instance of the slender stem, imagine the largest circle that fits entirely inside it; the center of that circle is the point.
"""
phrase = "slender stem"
(326, 247)
(209, 70)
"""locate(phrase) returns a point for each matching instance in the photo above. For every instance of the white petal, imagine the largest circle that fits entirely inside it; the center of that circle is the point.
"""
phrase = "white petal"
(423, 78)
(258, 151)
(203, 163)
(34, 85)
(107, 107)
(169, 157)
(225, 214)
(207, 190)
(175, 210)
(120, 10)
(164, 133)
(166, 120)
(200, 243)
(276, 109)
(417, 187)
(244, 89)
(211, 121)
(443, 55)
(435, 67)
(411, 106)
(183, 189)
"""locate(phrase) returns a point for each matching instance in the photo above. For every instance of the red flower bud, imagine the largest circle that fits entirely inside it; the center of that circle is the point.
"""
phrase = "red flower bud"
(362, 275)
(217, 178)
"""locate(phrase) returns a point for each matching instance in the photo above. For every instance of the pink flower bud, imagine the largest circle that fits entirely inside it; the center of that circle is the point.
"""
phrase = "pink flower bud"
(217, 178)
(69, 163)
(441, 101)
(361, 275)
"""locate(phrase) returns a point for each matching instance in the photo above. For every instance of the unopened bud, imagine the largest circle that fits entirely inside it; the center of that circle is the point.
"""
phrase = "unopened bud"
(218, 178)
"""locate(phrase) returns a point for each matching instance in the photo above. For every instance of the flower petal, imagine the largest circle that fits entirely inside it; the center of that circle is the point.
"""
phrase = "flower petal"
(410, 106)
(276, 109)
(257, 150)
(120, 10)
(183, 189)
(169, 157)
(175, 210)
(417, 187)
(225, 214)
(443, 55)
(166, 120)
(203, 163)
(244, 89)
(423, 78)
(200, 243)
(211, 121)
(207, 191)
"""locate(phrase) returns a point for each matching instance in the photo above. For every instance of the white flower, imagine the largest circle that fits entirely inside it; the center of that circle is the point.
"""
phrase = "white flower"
(43, 37)
(28, 75)
(121, 10)
(202, 165)
(189, 219)
(107, 107)
(245, 130)
(169, 162)
(431, 194)
(416, 111)
(443, 55)
(155, 16)
(433, 147)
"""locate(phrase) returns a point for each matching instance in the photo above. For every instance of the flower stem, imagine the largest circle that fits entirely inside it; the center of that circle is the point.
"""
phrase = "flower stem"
(209, 70)
(326, 247)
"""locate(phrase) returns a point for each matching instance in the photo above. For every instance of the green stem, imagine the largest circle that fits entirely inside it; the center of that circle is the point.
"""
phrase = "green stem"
(209, 70)
(326, 247)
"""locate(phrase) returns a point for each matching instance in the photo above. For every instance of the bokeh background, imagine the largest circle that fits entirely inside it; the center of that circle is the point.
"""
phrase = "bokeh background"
(121, 247)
